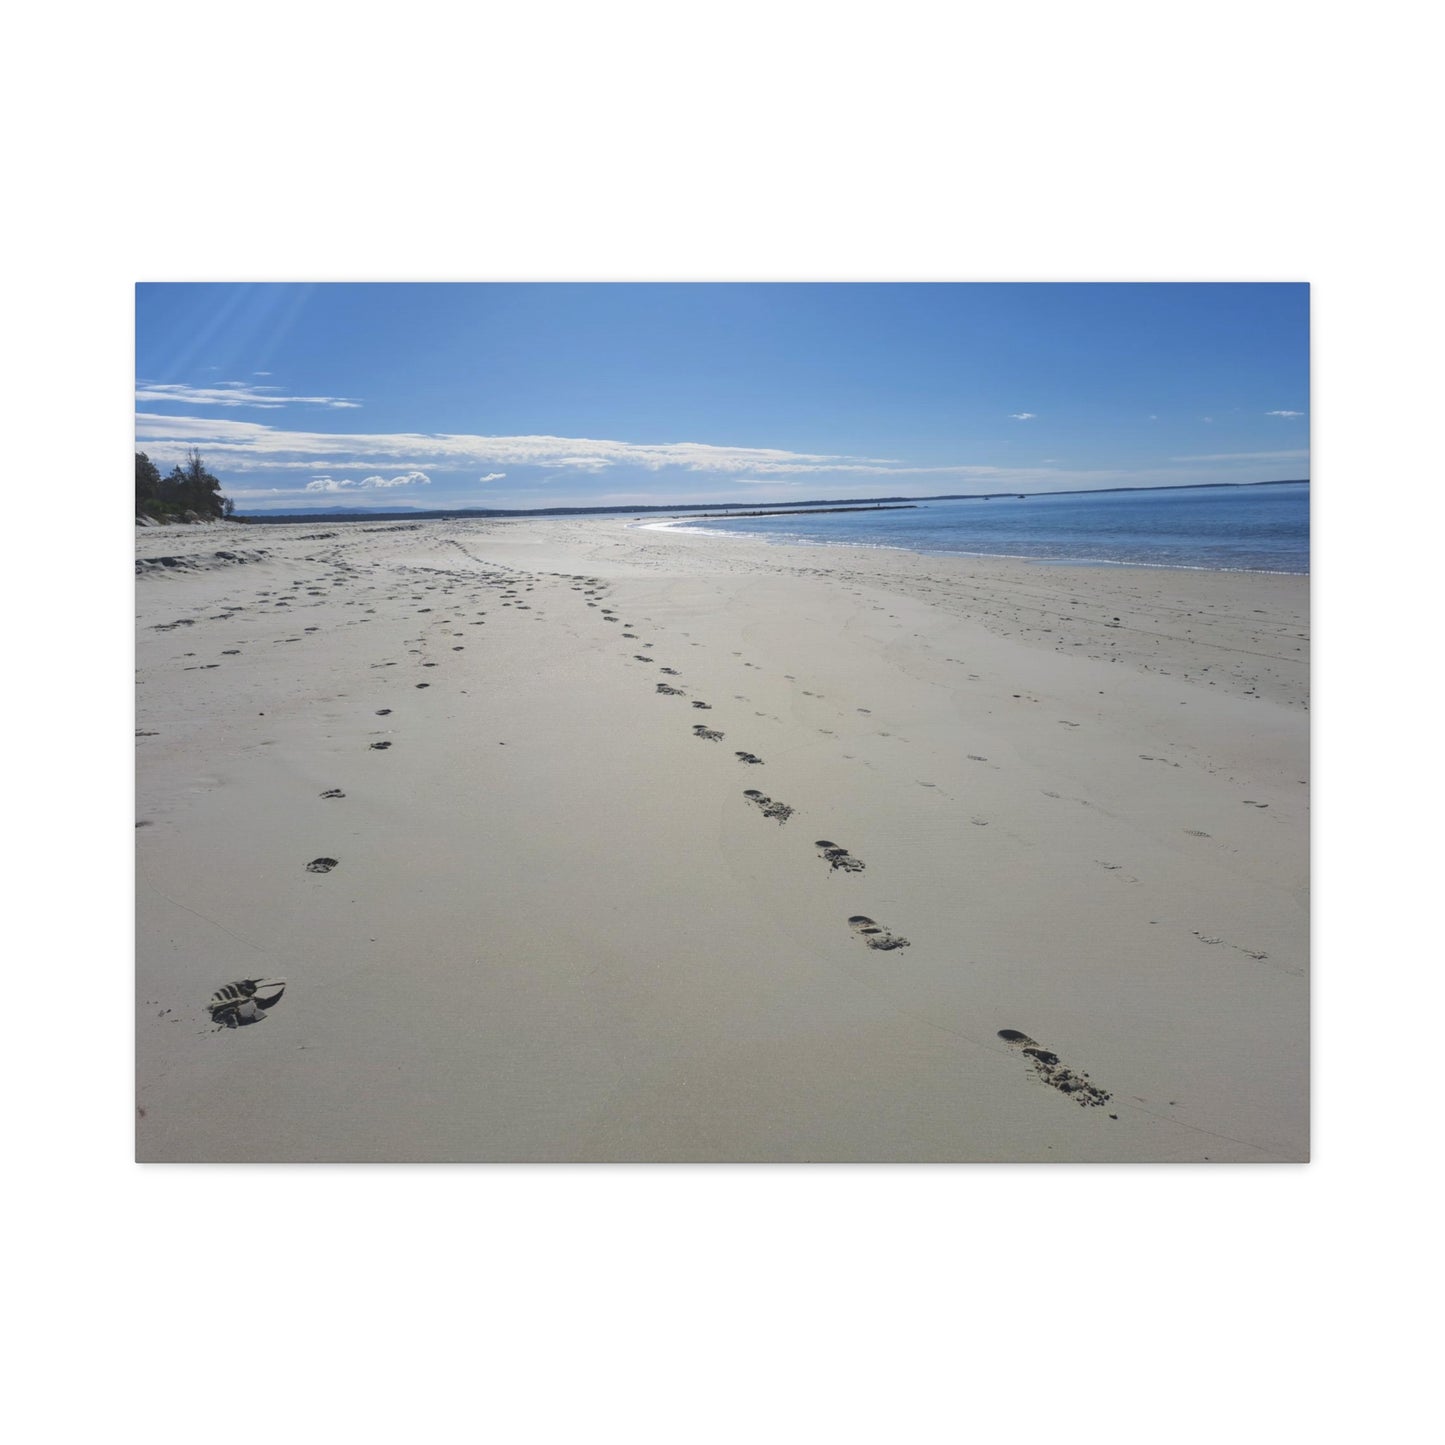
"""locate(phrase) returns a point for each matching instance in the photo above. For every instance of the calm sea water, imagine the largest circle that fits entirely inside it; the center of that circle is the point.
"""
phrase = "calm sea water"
(1225, 529)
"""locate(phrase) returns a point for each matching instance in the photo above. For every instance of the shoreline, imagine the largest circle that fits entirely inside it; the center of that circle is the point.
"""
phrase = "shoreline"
(559, 929)
(782, 539)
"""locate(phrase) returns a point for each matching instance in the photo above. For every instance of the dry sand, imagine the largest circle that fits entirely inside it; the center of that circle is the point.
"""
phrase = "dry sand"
(557, 929)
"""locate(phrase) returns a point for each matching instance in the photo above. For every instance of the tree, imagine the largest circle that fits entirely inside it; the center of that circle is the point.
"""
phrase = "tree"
(189, 489)
(147, 481)
(193, 488)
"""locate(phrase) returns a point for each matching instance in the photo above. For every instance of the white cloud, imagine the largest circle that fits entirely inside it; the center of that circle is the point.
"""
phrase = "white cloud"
(241, 446)
(492, 477)
(1284, 413)
(367, 484)
(260, 373)
(235, 393)
(252, 445)
(1206, 418)
(1023, 415)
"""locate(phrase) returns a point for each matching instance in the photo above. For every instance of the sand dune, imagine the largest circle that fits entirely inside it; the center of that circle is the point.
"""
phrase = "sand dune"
(643, 845)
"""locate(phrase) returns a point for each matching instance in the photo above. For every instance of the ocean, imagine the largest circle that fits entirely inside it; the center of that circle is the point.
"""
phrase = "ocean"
(1216, 529)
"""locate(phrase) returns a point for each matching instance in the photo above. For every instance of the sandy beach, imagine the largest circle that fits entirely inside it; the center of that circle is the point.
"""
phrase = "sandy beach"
(656, 846)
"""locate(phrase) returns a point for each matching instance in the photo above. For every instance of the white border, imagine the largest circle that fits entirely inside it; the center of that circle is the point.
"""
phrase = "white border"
(795, 141)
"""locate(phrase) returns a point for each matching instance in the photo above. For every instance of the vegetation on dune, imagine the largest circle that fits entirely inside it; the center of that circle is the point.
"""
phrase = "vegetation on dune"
(189, 493)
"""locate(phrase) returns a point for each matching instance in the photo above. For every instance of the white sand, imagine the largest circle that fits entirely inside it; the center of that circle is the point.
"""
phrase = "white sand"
(558, 931)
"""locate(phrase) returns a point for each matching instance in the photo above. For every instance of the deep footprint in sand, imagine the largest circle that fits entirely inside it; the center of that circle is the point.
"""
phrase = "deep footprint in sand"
(769, 808)
(748, 758)
(321, 865)
(381, 747)
(1054, 1074)
(333, 793)
(235, 1004)
(668, 691)
(875, 936)
(837, 857)
(711, 735)
(705, 706)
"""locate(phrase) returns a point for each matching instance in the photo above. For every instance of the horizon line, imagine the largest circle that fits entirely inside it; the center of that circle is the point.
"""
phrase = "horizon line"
(432, 513)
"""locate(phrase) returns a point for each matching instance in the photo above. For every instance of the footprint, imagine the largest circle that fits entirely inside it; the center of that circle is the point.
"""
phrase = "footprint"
(747, 757)
(705, 706)
(321, 865)
(381, 747)
(1196, 833)
(1053, 1073)
(383, 712)
(770, 809)
(711, 735)
(333, 793)
(873, 935)
(837, 857)
(235, 1004)
(667, 691)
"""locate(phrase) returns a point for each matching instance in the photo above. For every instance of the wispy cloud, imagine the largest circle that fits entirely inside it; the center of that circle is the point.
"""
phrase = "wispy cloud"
(252, 445)
(1293, 455)
(242, 446)
(1284, 413)
(235, 393)
(367, 484)
(1023, 415)
(339, 465)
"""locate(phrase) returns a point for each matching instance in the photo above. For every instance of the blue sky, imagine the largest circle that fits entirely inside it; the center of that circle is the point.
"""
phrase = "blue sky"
(399, 396)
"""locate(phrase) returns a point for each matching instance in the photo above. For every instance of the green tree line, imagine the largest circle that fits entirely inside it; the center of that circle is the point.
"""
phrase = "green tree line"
(189, 491)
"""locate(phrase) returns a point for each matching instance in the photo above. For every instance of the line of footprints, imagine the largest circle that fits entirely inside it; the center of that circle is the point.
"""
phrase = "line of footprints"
(1046, 1065)
(241, 1002)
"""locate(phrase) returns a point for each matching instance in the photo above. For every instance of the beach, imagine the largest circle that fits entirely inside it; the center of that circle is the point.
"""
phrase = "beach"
(645, 845)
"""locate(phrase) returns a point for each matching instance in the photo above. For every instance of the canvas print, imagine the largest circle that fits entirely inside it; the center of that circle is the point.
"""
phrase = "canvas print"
(722, 722)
